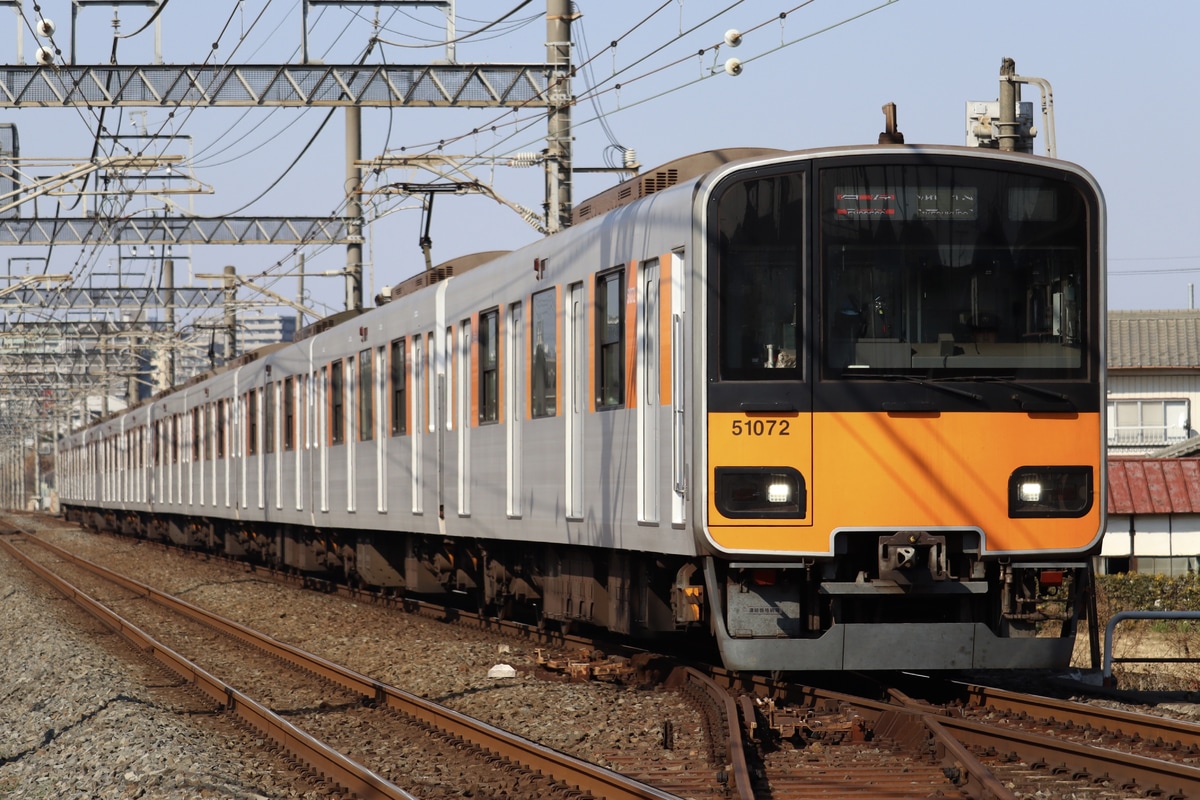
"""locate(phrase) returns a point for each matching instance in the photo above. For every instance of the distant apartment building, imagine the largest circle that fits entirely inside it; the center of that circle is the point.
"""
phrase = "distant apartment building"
(204, 348)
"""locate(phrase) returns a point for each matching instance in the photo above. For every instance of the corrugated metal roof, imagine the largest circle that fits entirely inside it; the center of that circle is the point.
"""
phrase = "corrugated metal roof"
(1154, 486)
(1150, 339)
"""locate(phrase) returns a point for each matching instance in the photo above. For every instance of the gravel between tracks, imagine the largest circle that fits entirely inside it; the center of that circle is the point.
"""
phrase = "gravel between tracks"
(69, 728)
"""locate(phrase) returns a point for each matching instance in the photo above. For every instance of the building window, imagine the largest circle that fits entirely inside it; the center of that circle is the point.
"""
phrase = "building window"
(544, 355)
(610, 339)
(399, 387)
(366, 396)
(489, 366)
(337, 404)
(1141, 423)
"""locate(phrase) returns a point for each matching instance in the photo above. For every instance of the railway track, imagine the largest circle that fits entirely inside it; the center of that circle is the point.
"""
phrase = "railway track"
(992, 744)
(809, 742)
(365, 738)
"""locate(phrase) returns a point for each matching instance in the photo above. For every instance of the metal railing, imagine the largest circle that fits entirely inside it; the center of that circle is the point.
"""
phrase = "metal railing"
(1109, 659)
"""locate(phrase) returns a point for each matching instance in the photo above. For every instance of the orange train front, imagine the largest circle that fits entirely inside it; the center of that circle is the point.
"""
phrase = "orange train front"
(904, 438)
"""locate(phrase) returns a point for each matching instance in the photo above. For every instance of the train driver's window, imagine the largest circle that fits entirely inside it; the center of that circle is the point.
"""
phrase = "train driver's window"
(760, 226)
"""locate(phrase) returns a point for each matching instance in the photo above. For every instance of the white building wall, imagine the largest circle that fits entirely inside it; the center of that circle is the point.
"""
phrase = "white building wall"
(1116, 543)
(1155, 385)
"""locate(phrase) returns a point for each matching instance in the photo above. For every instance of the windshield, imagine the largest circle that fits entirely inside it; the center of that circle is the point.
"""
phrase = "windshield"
(939, 271)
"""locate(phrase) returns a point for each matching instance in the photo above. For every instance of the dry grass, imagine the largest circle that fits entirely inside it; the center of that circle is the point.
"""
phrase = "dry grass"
(1144, 639)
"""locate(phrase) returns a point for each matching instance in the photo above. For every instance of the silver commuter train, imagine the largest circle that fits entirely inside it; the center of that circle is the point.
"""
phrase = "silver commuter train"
(739, 396)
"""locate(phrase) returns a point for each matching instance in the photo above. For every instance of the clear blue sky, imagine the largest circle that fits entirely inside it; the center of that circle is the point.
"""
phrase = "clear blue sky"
(1124, 78)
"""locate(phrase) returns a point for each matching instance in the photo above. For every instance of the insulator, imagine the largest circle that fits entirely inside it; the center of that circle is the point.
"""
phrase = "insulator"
(524, 159)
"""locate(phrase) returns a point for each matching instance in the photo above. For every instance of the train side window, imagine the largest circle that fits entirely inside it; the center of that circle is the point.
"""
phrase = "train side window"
(337, 403)
(610, 339)
(220, 411)
(174, 438)
(399, 376)
(289, 414)
(544, 354)
(252, 422)
(196, 430)
(366, 396)
(489, 366)
(269, 417)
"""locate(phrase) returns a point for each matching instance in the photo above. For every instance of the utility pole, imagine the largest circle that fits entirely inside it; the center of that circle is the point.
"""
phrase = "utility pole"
(354, 209)
(230, 313)
(1009, 97)
(168, 281)
(558, 137)
(300, 296)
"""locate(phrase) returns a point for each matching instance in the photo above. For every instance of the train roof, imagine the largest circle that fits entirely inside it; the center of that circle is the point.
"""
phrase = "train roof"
(664, 177)
(447, 269)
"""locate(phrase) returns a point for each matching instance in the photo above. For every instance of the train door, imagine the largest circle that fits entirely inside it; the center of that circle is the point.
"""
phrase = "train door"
(679, 352)
(275, 446)
(514, 392)
(649, 482)
(380, 390)
(418, 417)
(212, 411)
(759, 426)
(320, 440)
(227, 447)
(446, 422)
(463, 407)
(352, 421)
(575, 395)
(304, 421)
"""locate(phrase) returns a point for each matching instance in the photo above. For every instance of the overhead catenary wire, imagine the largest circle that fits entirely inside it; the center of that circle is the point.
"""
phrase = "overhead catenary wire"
(519, 123)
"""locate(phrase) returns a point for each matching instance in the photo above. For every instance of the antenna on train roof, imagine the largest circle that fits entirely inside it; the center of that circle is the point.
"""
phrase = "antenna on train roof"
(891, 133)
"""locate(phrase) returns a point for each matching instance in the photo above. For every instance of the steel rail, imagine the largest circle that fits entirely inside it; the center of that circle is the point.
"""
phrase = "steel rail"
(734, 750)
(1127, 724)
(601, 782)
(329, 763)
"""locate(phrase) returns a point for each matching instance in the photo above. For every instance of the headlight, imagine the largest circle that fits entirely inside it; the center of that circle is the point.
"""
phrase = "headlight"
(1050, 492)
(760, 492)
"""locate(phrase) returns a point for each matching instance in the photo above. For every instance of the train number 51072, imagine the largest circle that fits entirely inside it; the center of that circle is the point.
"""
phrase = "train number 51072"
(761, 427)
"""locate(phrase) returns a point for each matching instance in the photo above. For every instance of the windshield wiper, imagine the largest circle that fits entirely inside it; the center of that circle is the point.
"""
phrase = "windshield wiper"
(927, 383)
(1024, 387)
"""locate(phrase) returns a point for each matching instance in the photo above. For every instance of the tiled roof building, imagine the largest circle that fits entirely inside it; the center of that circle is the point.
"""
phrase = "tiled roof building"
(1154, 339)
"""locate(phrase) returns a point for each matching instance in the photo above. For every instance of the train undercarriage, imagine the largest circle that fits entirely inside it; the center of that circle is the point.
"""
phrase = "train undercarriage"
(900, 600)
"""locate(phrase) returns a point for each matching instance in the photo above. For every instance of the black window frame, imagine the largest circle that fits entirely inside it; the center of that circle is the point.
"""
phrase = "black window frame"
(337, 402)
(610, 340)
(399, 385)
(269, 417)
(489, 367)
(543, 354)
(366, 395)
(252, 402)
(289, 413)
